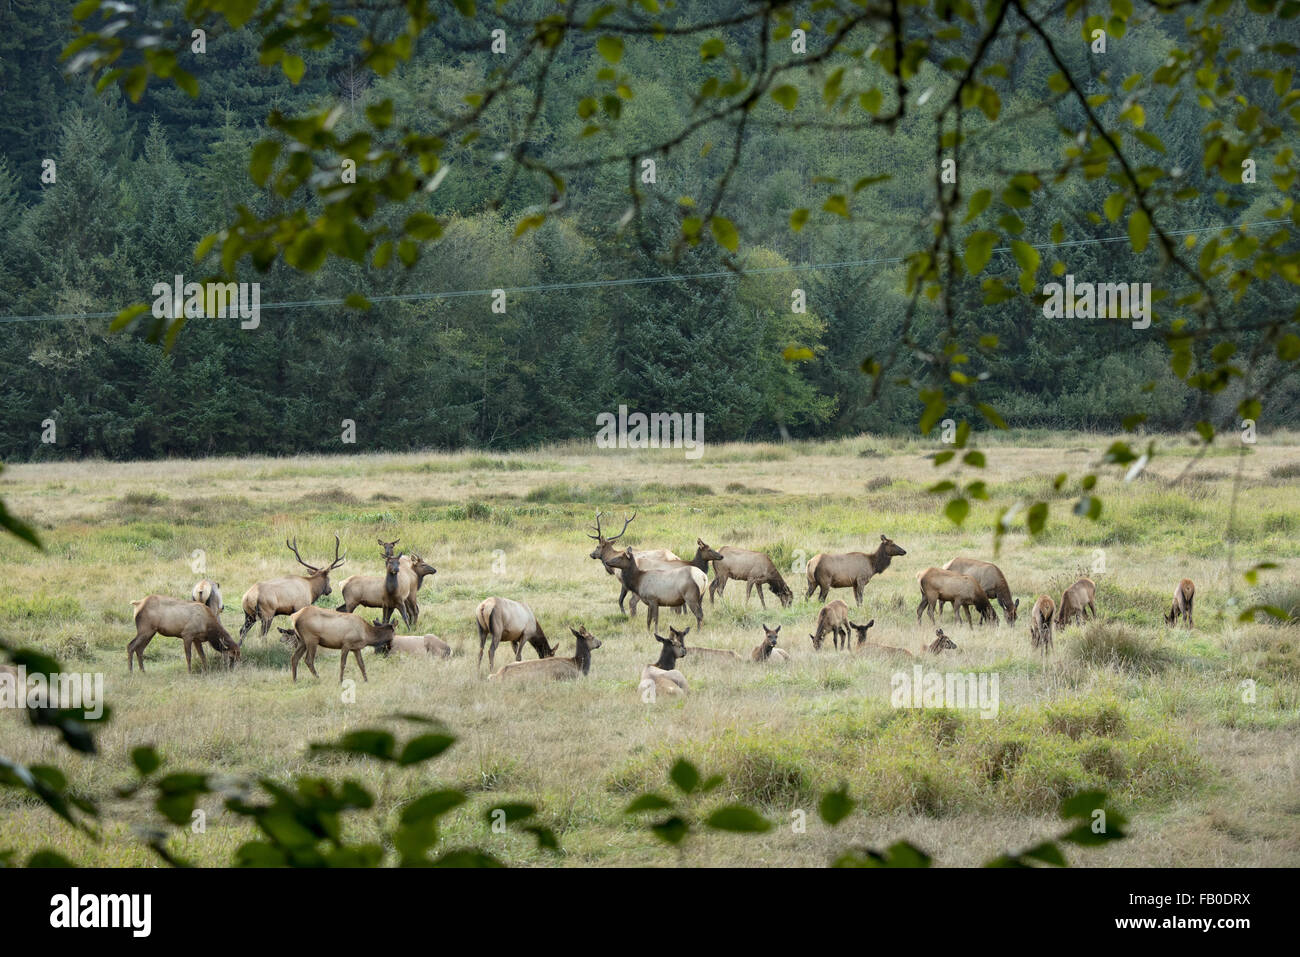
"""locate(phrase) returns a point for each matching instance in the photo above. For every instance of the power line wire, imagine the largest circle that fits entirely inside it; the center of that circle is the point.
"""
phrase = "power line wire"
(649, 280)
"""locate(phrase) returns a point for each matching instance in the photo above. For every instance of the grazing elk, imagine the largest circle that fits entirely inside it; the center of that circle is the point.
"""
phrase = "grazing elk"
(512, 621)
(209, 593)
(377, 591)
(829, 570)
(1184, 595)
(833, 619)
(767, 649)
(552, 668)
(1040, 623)
(754, 569)
(709, 653)
(662, 586)
(428, 645)
(413, 572)
(1076, 602)
(284, 596)
(191, 621)
(314, 628)
(938, 584)
(662, 677)
(991, 580)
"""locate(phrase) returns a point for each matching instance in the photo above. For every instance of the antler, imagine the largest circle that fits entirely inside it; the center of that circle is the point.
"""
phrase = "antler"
(626, 523)
(294, 548)
(598, 536)
(338, 561)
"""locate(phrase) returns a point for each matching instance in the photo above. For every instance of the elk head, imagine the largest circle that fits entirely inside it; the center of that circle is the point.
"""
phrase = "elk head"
(941, 643)
(316, 572)
(862, 630)
(705, 552)
(605, 546)
(675, 641)
(890, 548)
(388, 546)
(769, 637)
(421, 567)
(582, 634)
(392, 565)
(384, 633)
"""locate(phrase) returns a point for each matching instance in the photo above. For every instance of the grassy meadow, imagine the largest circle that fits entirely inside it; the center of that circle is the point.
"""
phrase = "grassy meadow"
(1155, 716)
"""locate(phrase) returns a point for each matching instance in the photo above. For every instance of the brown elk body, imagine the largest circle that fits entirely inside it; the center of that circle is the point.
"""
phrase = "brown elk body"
(938, 584)
(662, 677)
(377, 591)
(209, 593)
(1076, 602)
(414, 570)
(767, 649)
(605, 550)
(1040, 623)
(191, 621)
(1184, 596)
(314, 628)
(991, 580)
(753, 568)
(709, 654)
(503, 619)
(554, 669)
(833, 619)
(666, 586)
(427, 645)
(284, 596)
(849, 569)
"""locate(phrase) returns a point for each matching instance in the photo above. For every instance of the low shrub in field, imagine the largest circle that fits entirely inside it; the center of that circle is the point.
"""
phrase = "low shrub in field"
(1268, 650)
(1110, 644)
(1290, 470)
(1283, 595)
(38, 607)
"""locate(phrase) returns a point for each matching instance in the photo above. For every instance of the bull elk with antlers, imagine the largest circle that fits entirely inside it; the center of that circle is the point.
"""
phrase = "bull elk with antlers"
(605, 550)
(284, 596)
(849, 569)
(665, 586)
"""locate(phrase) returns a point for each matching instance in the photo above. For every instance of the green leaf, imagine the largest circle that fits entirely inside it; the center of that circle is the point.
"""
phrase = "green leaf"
(838, 205)
(979, 250)
(1114, 205)
(146, 760)
(738, 818)
(786, 95)
(684, 775)
(724, 231)
(648, 802)
(611, 48)
(957, 509)
(424, 747)
(263, 157)
(1139, 230)
(836, 805)
(978, 203)
(798, 218)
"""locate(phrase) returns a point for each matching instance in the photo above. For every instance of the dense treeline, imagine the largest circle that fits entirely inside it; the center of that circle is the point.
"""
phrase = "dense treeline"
(139, 184)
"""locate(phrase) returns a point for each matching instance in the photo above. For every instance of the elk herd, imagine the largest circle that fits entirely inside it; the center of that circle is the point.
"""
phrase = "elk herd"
(656, 578)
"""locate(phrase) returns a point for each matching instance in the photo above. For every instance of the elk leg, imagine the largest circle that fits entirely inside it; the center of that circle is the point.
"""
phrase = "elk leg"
(519, 650)
(248, 623)
(857, 592)
(293, 662)
(812, 587)
(203, 658)
(696, 606)
(360, 664)
(1188, 614)
(826, 590)
(311, 661)
(138, 644)
(760, 596)
(920, 609)
(343, 663)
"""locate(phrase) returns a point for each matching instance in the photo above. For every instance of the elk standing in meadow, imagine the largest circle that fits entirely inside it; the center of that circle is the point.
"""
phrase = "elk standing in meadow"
(991, 580)
(849, 569)
(377, 591)
(209, 593)
(662, 585)
(1040, 623)
(552, 668)
(413, 572)
(605, 550)
(1076, 602)
(754, 569)
(284, 596)
(1184, 595)
(662, 677)
(191, 621)
(833, 619)
(767, 650)
(512, 621)
(938, 585)
(314, 628)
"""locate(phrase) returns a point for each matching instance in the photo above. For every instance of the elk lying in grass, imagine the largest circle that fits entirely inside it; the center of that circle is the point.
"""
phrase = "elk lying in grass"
(314, 628)
(1184, 595)
(665, 586)
(754, 569)
(1076, 602)
(861, 631)
(940, 644)
(191, 621)
(414, 570)
(428, 645)
(937, 585)
(707, 653)
(833, 619)
(1040, 623)
(554, 669)
(991, 580)
(849, 569)
(512, 621)
(284, 596)
(605, 550)
(209, 593)
(377, 591)
(767, 649)
(662, 677)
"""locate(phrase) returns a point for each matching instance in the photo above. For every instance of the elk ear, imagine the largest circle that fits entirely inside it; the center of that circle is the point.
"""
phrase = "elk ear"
(576, 633)
(870, 623)
(883, 538)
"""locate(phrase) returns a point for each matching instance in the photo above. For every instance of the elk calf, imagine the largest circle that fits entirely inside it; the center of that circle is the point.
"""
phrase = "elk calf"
(662, 677)
(833, 619)
(1184, 595)
(1076, 602)
(849, 569)
(861, 631)
(1040, 623)
(940, 644)
(552, 668)
(429, 645)
(767, 650)
(938, 585)
(191, 621)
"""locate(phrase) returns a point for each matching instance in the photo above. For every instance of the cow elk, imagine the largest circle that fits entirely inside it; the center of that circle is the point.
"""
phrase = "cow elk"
(191, 621)
(505, 620)
(861, 632)
(991, 580)
(414, 570)
(1040, 623)
(377, 591)
(833, 619)
(605, 550)
(552, 668)
(1184, 595)
(662, 677)
(767, 649)
(666, 586)
(1076, 602)
(284, 596)
(208, 593)
(430, 646)
(713, 654)
(849, 569)
(938, 584)
(314, 628)
(754, 569)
